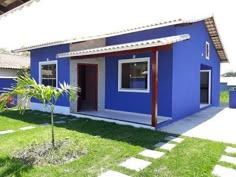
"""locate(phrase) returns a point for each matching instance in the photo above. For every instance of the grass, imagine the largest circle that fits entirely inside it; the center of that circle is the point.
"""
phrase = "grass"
(224, 97)
(107, 145)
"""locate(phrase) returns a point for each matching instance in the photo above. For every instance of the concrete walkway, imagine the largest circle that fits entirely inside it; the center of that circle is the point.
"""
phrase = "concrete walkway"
(214, 123)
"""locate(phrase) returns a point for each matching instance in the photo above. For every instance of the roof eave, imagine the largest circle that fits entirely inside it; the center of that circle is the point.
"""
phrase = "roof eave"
(127, 46)
(216, 39)
(221, 53)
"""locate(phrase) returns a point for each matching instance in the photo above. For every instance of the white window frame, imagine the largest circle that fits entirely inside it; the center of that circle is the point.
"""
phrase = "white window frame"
(207, 52)
(48, 63)
(133, 60)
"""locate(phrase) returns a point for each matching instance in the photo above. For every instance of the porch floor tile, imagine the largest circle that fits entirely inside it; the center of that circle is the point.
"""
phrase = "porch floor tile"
(135, 164)
(26, 128)
(228, 159)
(165, 146)
(111, 173)
(124, 116)
(152, 154)
(174, 139)
(6, 132)
(230, 149)
(223, 171)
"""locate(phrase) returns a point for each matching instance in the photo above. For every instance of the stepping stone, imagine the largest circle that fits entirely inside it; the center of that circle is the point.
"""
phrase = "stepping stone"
(223, 171)
(135, 164)
(228, 159)
(165, 146)
(230, 149)
(60, 122)
(111, 173)
(152, 154)
(6, 132)
(174, 139)
(27, 128)
(44, 124)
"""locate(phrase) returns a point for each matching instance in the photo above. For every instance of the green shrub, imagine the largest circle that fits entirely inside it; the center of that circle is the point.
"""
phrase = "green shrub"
(224, 97)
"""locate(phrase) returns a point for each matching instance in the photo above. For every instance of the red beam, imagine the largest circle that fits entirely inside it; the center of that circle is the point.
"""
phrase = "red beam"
(154, 87)
(126, 52)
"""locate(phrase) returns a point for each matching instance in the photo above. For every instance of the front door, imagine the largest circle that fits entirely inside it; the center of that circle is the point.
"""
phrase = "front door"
(87, 81)
(205, 87)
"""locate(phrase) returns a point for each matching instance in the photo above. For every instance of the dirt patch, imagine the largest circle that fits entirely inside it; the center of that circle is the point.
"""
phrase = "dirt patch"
(65, 151)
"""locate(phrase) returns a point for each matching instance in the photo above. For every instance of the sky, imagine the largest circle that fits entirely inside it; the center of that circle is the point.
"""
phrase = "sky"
(53, 20)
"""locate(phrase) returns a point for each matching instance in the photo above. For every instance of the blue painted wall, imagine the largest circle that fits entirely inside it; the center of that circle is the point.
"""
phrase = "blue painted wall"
(124, 101)
(188, 56)
(6, 83)
(49, 53)
(140, 102)
(165, 81)
(232, 99)
(141, 35)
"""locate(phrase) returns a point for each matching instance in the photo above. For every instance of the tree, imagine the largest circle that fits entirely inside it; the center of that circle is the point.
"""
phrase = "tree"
(28, 88)
(6, 51)
(23, 71)
(229, 74)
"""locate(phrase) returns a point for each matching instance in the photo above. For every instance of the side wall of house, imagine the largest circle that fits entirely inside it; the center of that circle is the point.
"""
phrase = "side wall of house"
(188, 59)
(7, 78)
(5, 83)
(63, 73)
(133, 101)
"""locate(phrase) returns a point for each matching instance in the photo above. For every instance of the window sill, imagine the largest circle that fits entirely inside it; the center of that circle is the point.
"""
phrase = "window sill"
(133, 90)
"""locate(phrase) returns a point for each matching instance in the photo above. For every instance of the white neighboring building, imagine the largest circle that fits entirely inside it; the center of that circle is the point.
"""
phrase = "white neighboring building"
(10, 64)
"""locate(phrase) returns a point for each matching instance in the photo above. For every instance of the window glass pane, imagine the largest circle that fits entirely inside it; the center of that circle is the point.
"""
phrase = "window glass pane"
(207, 50)
(48, 74)
(134, 75)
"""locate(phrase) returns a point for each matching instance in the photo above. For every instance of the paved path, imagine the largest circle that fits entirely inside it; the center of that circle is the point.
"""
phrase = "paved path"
(139, 164)
(214, 123)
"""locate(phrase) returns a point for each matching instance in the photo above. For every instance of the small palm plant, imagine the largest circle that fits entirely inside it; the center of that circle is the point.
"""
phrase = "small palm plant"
(28, 88)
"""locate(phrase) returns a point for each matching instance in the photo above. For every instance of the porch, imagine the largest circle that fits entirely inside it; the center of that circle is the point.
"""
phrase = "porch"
(120, 117)
(121, 77)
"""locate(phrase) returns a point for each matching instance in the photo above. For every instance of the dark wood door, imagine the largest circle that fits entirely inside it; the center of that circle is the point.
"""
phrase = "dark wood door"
(88, 81)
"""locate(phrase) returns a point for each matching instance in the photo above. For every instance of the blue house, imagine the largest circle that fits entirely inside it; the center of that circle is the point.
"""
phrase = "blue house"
(150, 75)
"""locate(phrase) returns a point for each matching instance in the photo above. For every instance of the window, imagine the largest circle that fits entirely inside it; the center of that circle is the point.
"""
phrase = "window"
(207, 52)
(48, 73)
(134, 75)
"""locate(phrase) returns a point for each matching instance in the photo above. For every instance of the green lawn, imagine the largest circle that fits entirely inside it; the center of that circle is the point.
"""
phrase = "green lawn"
(107, 144)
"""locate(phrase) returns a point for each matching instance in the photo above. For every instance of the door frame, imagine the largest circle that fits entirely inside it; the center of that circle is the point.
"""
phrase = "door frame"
(96, 82)
(209, 84)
